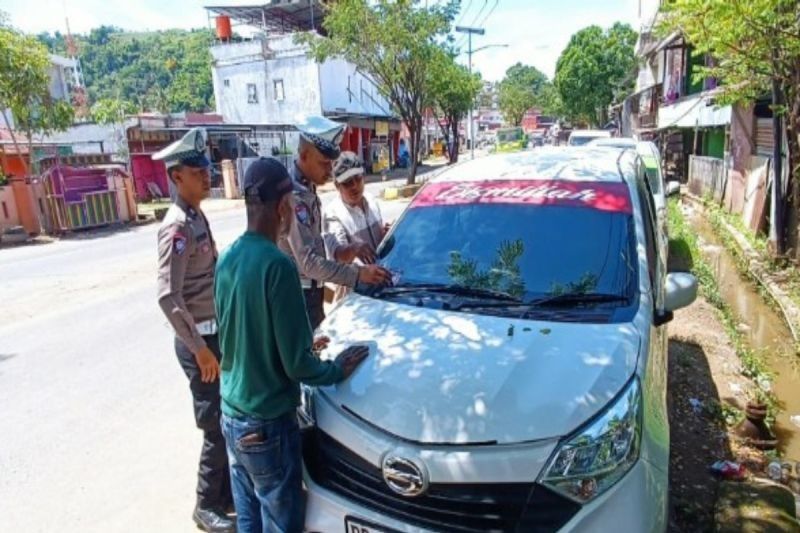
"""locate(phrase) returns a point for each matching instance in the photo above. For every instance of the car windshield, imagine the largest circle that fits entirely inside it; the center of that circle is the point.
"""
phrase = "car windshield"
(580, 140)
(515, 251)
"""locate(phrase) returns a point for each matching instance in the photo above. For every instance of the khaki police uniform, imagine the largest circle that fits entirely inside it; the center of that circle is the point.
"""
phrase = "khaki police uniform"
(187, 257)
(304, 242)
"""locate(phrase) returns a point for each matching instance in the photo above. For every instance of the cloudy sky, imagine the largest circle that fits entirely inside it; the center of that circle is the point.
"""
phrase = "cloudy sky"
(535, 30)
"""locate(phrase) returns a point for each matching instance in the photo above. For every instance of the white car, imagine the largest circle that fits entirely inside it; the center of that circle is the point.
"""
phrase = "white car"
(581, 137)
(518, 369)
(651, 159)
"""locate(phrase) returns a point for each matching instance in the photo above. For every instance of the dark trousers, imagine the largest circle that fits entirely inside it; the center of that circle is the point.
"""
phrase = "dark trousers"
(315, 299)
(213, 478)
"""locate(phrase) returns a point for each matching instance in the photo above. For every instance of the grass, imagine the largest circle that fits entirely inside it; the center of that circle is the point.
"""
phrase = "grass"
(790, 275)
(686, 248)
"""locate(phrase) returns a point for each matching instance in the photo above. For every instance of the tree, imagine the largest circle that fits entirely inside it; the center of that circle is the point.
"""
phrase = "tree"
(452, 92)
(756, 49)
(395, 43)
(25, 90)
(519, 91)
(549, 101)
(596, 67)
(167, 71)
(113, 112)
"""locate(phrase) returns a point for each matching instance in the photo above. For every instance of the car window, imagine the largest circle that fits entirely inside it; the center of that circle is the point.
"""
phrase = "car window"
(649, 217)
(580, 141)
(527, 251)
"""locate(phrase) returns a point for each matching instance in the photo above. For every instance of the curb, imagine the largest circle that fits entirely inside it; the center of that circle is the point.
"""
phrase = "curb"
(788, 309)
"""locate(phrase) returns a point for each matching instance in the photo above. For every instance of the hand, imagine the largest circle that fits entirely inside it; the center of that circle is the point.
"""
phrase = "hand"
(364, 252)
(320, 343)
(209, 366)
(350, 358)
(374, 275)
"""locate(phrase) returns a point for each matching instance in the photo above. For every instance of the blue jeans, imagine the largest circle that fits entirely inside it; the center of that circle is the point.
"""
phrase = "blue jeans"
(266, 473)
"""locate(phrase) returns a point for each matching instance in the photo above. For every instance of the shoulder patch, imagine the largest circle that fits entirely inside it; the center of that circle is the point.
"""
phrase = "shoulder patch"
(179, 243)
(302, 214)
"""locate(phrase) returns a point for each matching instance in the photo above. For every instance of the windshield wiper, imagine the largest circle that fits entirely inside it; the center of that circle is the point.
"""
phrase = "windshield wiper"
(459, 290)
(570, 298)
(575, 298)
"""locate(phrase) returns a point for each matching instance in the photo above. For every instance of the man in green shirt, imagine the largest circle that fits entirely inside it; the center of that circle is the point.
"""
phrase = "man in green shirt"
(266, 343)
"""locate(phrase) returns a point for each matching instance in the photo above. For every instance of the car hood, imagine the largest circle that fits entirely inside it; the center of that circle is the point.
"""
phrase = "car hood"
(442, 377)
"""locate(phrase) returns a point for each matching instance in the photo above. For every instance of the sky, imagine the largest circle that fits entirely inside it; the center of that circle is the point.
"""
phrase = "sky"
(536, 31)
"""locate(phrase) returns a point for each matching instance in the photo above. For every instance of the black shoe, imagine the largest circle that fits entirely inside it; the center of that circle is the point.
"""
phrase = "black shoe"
(213, 521)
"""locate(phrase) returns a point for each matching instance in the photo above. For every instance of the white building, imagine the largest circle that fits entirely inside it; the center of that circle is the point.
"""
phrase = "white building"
(267, 78)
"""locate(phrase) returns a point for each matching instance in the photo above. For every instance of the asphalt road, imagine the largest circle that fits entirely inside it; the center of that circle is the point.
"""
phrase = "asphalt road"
(97, 426)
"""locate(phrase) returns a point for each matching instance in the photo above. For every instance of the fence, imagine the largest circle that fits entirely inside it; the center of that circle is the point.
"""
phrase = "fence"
(707, 177)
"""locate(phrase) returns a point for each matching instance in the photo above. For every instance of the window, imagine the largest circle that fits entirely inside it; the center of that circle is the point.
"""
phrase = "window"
(226, 82)
(252, 94)
(277, 86)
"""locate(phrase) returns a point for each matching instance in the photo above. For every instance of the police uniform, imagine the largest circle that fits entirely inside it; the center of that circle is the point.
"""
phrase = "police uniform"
(187, 256)
(304, 242)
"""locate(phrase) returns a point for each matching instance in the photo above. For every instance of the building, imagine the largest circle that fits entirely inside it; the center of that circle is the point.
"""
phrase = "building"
(721, 151)
(268, 79)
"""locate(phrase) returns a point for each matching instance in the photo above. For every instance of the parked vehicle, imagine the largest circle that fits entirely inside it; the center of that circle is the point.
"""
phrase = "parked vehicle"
(517, 371)
(651, 159)
(581, 137)
(511, 140)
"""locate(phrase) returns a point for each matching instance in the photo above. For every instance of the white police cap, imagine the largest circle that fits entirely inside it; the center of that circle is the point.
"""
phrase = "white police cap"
(189, 150)
(323, 133)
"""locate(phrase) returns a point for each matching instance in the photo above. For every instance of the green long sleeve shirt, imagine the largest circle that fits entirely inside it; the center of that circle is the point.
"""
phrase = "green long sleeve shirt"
(264, 333)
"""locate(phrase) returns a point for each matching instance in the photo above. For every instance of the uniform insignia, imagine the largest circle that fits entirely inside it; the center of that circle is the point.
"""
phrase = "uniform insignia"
(199, 142)
(301, 212)
(179, 244)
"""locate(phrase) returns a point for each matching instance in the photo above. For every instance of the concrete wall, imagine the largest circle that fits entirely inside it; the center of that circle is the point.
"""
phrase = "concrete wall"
(8, 209)
(344, 89)
(263, 64)
(307, 87)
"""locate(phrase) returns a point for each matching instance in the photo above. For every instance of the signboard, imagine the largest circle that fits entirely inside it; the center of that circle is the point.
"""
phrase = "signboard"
(381, 128)
(612, 197)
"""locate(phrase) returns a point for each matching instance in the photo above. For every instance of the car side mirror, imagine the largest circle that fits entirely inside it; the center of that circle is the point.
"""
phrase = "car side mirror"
(681, 291)
(673, 188)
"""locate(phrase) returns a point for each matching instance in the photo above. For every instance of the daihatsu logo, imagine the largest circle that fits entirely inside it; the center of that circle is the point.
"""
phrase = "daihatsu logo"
(403, 476)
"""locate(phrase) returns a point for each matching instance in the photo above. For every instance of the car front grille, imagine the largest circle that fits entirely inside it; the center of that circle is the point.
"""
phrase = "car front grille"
(450, 507)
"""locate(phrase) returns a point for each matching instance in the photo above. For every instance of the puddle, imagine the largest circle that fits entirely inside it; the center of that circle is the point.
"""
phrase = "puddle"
(764, 329)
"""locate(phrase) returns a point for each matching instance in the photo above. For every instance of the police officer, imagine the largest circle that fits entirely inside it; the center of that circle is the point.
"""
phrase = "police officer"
(187, 256)
(318, 148)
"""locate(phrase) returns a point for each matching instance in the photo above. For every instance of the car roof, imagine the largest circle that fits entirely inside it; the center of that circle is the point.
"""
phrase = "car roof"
(618, 142)
(597, 164)
(591, 133)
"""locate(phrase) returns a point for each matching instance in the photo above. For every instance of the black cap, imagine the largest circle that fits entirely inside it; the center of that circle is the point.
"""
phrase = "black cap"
(266, 180)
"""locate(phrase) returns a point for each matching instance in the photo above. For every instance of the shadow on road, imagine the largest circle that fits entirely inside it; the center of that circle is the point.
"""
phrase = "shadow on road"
(698, 438)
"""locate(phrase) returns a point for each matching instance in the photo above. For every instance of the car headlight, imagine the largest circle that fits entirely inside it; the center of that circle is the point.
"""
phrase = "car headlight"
(305, 412)
(601, 453)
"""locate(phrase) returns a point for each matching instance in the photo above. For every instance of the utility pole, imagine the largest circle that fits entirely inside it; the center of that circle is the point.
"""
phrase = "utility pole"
(469, 32)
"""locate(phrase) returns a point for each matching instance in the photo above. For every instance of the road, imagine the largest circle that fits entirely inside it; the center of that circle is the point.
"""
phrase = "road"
(97, 425)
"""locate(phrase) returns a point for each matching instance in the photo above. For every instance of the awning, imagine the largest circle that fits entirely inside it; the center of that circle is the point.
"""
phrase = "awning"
(660, 45)
(696, 112)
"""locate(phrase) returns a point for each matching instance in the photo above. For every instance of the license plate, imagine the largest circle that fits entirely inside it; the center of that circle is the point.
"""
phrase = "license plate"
(355, 525)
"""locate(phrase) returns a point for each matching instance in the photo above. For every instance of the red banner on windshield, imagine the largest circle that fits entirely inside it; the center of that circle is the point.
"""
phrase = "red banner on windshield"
(603, 196)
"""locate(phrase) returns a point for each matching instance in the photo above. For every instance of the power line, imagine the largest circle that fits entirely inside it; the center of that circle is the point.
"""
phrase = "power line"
(464, 11)
(485, 5)
(489, 14)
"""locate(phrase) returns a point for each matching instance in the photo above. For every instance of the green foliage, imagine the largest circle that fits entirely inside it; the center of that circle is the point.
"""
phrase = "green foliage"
(395, 42)
(519, 91)
(504, 275)
(753, 42)
(451, 92)
(753, 363)
(25, 87)
(586, 284)
(594, 69)
(166, 71)
(111, 111)
(3, 178)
